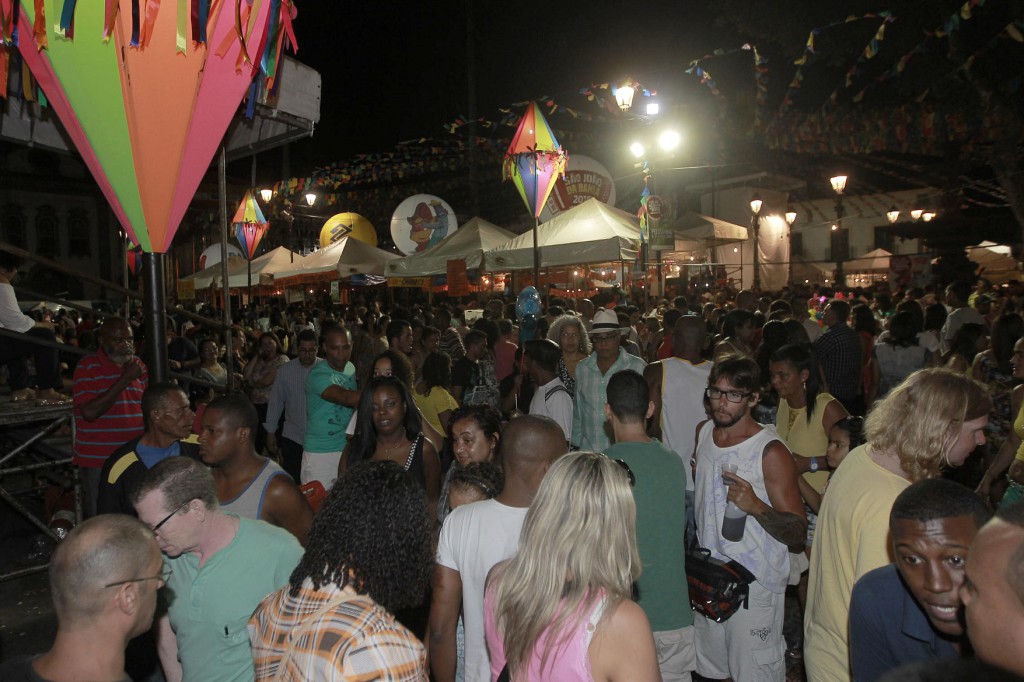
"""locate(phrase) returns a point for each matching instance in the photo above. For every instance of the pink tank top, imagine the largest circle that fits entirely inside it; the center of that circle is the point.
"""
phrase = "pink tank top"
(569, 662)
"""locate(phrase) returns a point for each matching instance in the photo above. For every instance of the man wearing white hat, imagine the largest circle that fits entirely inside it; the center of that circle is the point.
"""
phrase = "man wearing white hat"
(589, 424)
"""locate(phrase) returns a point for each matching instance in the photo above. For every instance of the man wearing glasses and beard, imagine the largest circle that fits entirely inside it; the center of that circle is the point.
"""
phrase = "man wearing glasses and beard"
(742, 469)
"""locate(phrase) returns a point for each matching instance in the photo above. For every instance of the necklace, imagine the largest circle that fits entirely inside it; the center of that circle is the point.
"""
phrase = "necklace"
(389, 448)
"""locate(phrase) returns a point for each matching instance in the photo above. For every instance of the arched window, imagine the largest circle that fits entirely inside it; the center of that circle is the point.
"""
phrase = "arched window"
(79, 234)
(47, 232)
(12, 225)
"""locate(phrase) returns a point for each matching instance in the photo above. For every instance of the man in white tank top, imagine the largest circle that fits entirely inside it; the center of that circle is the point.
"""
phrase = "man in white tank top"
(676, 387)
(749, 646)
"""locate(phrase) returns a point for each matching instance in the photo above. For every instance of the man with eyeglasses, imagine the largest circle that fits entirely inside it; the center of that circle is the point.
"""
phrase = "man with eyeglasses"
(107, 397)
(589, 423)
(167, 418)
(104, 578)
(223, 566)
(749, 645)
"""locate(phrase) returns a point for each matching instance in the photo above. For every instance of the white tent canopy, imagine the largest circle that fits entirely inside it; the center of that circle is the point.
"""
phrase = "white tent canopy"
(263, 269)
(589, 233)
(872, 261)
(994, 262)
(345, 257)
(470, 242)
(694, 232)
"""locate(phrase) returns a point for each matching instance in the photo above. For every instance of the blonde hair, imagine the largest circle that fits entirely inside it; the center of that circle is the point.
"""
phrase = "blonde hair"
(920, 420)
(578, 545)
(562, 321)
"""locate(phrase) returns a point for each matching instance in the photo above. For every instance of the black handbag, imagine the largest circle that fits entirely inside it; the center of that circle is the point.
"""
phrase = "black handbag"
(717, 588)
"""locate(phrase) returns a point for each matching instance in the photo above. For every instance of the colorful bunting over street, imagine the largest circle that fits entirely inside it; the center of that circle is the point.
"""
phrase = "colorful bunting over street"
(249, 224)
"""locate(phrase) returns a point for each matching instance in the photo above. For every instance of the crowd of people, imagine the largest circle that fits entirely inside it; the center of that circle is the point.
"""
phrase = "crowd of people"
(404, 492)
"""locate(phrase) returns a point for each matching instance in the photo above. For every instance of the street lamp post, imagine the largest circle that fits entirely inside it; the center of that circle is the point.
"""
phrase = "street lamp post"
(790, 219)
(755, 223)
(839, 186)
(667, 141)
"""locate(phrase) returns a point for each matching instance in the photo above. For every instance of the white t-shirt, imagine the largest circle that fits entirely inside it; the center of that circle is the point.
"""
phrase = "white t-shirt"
(956, 319)
(682, 407)
(553, 400)
(473, 539)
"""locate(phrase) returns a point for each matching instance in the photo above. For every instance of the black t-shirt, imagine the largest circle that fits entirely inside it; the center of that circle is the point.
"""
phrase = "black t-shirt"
(465, 373)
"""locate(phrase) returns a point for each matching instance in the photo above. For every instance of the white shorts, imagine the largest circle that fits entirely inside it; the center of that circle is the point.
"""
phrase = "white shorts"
(320, 466)
(677, 654)
(749, 646)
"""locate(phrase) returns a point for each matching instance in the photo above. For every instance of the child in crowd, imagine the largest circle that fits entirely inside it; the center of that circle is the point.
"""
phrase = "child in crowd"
(474, 483)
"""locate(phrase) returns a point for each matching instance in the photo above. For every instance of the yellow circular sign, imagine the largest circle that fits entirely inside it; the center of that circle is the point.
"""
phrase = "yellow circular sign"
(347, 225)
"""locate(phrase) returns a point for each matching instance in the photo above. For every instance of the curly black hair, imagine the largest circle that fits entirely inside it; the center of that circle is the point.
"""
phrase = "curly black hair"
(487, 477)
(373, 534)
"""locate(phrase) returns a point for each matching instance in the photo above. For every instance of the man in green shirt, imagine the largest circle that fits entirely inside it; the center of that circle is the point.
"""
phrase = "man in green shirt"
(660, 492)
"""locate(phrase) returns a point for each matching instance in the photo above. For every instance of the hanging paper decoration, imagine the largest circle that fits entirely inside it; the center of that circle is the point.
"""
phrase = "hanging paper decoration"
(249, 224)
(534, 160)
(134, 257)
(148, 108)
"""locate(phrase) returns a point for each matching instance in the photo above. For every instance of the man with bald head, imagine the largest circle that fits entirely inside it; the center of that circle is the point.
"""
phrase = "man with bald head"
(104, 579)
(679, 381)
(477, 536)
(107, 397)
(993, 590)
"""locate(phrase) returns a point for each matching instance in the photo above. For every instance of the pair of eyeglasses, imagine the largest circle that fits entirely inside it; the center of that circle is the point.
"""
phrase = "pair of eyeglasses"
(712, 393)
(629, 472)
(602, 338)
(168, 517)
(164, 576)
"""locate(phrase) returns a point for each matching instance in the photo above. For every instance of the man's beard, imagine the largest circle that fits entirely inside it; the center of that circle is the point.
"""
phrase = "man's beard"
(727, 422)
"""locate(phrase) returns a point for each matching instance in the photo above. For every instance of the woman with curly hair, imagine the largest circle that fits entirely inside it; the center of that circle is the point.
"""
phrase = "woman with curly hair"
(390, 428)
(933, 420)
(369, 555)
(571, 336)
(561, 608)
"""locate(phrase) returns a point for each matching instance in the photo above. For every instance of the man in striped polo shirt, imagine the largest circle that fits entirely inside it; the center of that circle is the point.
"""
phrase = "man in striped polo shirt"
(107, 393)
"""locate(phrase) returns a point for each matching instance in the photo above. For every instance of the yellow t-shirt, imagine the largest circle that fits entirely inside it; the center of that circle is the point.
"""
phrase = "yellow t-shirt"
(1018, 428)
(851, 539)
(433, 404)
(803, 438)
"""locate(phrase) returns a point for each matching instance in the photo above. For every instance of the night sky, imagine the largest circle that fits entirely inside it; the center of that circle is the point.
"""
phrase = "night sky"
(398, 71)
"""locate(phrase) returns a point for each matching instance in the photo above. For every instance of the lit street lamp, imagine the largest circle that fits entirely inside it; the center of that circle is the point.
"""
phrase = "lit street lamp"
(839, 186)
(667, 141)
(790, 219)
(755, 223)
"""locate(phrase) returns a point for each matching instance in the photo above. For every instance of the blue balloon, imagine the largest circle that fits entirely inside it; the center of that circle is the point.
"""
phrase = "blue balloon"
(528, 309)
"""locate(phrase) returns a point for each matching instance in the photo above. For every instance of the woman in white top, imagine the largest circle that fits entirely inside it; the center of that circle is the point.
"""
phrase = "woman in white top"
(14, 352)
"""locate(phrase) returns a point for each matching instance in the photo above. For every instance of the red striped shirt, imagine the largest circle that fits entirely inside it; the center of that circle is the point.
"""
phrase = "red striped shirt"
(97, 440)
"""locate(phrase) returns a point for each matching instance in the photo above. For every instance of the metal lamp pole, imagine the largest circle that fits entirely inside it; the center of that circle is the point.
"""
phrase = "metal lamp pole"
(755, 223)
(839, 186)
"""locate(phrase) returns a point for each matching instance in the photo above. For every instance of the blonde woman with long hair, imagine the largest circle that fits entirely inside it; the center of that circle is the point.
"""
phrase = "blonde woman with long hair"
(561, 608)
(932, 421)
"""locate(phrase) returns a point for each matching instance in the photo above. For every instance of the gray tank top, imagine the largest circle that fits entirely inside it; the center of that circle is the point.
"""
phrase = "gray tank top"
(249, 503)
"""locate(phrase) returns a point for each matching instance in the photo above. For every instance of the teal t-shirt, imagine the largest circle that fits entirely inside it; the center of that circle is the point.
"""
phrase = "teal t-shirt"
(326, 421)
(660, 494)
(209, 606)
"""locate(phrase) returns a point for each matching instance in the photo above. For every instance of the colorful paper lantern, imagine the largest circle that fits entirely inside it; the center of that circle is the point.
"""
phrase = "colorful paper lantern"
(534, 160)
(249, 224)
(148, 108)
